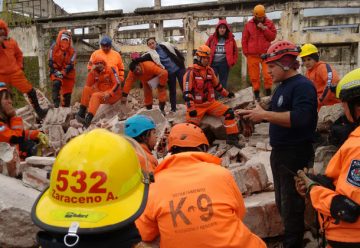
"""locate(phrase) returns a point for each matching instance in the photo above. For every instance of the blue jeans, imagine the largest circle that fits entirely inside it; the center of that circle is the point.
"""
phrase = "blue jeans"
(222, 72)
(179, 74)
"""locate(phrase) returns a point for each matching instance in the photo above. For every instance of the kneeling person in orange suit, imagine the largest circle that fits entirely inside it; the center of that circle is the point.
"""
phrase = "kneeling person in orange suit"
(338, 205)
(145, 71)
(142, 128)
(200, 83)
(103, 86)
(194, 202)
(12, 130)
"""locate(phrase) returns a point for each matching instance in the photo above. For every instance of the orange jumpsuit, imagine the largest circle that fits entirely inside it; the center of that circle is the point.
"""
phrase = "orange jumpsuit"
(149, 71)
(319, 76)
(112, 59)
(198, 86)
(195, 203)
(97, 86)
(344, 169)
(151, 160)
(63, 60)
(13, 132)
(11, 64)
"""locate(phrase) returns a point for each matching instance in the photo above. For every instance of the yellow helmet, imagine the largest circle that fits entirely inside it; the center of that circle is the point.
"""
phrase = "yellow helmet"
(96, 185)
(308, 49)
(259, 11)
(349, 86)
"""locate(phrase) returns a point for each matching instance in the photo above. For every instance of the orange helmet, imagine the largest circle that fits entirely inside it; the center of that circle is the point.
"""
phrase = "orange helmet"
(99, 58)
(203, 51)
(259, 11)
(186, 135)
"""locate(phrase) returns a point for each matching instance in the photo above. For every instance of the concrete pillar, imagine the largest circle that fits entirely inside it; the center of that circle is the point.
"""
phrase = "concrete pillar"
(190, 26)
(159, 31)
(286, 21)
(101, 6)
(157, 4)
(41, 56)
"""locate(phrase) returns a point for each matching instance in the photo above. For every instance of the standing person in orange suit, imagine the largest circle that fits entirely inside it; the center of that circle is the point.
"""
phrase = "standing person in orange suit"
(102, 87)
(62, 58)
(185, 207)
(11, 68)
(323, 75)
(338, 204)
(257, 35)
(146, 71)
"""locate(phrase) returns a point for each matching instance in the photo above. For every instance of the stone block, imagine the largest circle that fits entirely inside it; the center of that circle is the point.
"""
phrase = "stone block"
(9, 160)
(255, 178)
(328, 115)
(263, 158)
(36, 178)
(242, 99)
(262, 216)
(16, 229)
(40, 162)
(237, 173)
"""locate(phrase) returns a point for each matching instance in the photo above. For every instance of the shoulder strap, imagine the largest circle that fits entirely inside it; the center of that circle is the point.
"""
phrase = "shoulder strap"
(328, 83)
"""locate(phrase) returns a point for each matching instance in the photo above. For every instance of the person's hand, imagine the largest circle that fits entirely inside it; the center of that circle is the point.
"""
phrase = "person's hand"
(255, 115)
(58, 74)
(261, 26)
(231, 95)
(193, 113)
(43, 139)
(302, 180)
(123, 100)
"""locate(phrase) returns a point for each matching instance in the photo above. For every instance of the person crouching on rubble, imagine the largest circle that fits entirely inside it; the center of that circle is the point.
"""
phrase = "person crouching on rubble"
(200, 83)
(97, 190)
(12, 129)
(102, 86)
(337, 196)
(194, 202)
(143, 129)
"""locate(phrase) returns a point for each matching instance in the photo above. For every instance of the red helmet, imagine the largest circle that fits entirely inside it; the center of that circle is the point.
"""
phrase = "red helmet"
(279, 49)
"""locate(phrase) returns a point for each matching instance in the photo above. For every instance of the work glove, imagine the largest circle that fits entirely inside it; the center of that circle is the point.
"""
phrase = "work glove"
(193, 113)
(231, 95)
(58, 74)
(43, 139)
(302, 180)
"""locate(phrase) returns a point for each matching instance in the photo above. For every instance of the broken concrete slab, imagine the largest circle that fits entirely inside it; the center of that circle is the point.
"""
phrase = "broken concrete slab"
(56, 136)
(263, 158)
(9, 160)
(107, 111)
(58, 116)
(255, 178)
(40, 162)
(36, 178)
(242, 98)
(17, 228)
(328, 115)
(262, 216)
(28, 116)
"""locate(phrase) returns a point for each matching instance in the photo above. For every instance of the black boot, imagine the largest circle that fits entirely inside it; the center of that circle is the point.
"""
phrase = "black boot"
(56, 93)
(148, 107)
(67, 100)
(267, 92)
(35, 103)
(257, 95)
(88, 119)
(233, 139)
(80, 116)
(162, 108)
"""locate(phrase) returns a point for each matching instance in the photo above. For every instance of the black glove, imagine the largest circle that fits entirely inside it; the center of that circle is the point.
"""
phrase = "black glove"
(345, 209)
(193, 113)
(333, 88)
(231, 95)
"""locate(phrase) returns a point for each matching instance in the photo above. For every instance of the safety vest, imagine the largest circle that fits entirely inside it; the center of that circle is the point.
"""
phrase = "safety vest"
(203, 89)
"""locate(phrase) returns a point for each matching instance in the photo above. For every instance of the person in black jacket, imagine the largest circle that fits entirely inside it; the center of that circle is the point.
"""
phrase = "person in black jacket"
(169, 57)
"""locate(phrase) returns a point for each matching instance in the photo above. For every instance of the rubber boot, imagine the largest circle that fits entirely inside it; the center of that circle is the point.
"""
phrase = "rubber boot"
(56, 93)
(267, 92)
(88, 119)
(66, 100)
(257, 95)
(233, 139)
(41, 113)
(80, 116)
(162, 108)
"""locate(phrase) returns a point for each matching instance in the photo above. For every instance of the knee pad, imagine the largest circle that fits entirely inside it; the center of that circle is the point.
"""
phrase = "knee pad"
(229, 114)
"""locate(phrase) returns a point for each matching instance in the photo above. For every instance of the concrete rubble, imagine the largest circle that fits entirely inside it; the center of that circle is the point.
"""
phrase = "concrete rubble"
(9, 160)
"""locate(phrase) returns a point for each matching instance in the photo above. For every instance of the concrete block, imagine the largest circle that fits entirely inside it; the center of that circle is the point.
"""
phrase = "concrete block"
(263, 158)
(40, 162)
(242, 99)
(36, 178)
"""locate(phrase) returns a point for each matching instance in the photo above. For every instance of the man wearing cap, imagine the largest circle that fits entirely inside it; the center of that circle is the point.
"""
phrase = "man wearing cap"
(257, 35)
(62, 69)
(293, 119)
(11, 68)
(113, 58)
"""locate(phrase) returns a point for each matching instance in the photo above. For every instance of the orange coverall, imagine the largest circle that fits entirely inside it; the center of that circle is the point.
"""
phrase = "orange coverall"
(63, 61)
(198, 86)
(149, 71)
(13, 131)
(195, 203)
(112, 59)
(344, 169)
(319, 76)
(97, 86)
(11, 64)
